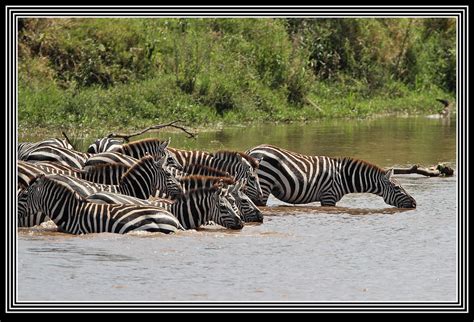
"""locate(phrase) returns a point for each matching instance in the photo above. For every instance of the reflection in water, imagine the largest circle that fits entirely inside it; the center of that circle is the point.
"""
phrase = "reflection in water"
(384, 141)
(361, 250)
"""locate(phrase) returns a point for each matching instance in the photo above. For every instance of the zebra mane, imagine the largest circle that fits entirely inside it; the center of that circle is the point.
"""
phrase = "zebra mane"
(363, 162)
(196, 192)
(146, 159)
(225, 180)
(253, 162)
(144, 141)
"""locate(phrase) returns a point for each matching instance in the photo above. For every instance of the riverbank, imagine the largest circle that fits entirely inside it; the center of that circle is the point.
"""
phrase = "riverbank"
(140, 105)
(114, 74)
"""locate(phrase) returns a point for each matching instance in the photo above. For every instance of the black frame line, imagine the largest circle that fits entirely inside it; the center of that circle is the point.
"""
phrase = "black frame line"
(461, 13)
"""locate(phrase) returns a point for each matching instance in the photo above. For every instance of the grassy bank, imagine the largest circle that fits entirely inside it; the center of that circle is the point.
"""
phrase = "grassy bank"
(122, 73)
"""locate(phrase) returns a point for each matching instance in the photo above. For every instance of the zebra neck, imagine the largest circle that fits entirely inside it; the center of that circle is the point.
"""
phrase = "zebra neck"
(59, 210)
(358, 176)
(139, 184)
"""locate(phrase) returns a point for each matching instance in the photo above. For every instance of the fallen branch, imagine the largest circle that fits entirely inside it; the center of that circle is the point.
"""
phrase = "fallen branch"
(127, 137)
(440, 170)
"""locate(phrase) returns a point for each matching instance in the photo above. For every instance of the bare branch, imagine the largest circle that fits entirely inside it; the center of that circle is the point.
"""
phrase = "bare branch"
(127, 137)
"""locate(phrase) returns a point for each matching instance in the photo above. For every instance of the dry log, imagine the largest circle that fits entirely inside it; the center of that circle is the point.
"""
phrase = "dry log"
(440, 170)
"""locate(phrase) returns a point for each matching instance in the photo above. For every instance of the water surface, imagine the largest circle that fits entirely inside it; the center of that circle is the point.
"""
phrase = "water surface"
(361, 250)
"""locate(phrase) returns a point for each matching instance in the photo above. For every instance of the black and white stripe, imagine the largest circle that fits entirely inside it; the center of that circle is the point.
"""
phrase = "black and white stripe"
(73, 214)
(59, 155)
(142, 181)
(239, 165)
(193, 209)
(104, 174)
(296, 178)
(25, 148)
(104, 145)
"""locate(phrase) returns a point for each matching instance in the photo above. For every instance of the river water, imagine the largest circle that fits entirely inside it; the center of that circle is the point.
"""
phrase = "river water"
(361, 250)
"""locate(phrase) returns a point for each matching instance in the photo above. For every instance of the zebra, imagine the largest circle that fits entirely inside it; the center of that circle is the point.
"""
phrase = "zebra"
(193, 209)
(239, 200)
(60, 155)
(105, 174)
(142, 181)
(110, 158)
(296, 178)
(104, 145)
(154, 147)
(237, 164)
(25, 148)
(247, 207)
(73, 214)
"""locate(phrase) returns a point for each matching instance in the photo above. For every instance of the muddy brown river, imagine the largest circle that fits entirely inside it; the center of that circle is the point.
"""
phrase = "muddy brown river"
(361, 250)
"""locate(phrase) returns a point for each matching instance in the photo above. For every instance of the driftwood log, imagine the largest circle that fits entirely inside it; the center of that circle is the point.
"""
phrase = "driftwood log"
(440, 170)
(127, 137)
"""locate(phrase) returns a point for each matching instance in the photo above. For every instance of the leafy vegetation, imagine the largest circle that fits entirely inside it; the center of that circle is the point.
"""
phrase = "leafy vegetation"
(134, 72)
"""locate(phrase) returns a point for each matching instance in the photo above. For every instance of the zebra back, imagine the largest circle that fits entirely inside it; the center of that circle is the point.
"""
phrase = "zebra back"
(60, 155)
(110, 158)
(104, 145)
(104, 173)
(25, 148)
(186, 158)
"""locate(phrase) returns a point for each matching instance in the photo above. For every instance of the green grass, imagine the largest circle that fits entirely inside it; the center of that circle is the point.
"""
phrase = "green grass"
(130, 73)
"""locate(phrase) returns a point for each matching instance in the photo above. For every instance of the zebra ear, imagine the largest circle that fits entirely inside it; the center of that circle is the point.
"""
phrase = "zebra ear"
(389, 173)
(165, 143)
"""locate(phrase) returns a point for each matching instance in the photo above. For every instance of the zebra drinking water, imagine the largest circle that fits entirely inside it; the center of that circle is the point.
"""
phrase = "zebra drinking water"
(194, 208)
(239, 165)
(296, 178)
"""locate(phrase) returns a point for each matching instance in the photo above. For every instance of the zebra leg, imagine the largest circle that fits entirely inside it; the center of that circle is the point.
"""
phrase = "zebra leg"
(329, 199)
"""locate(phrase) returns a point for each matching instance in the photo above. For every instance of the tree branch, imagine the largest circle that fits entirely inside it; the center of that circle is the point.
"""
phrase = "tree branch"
(127, 137)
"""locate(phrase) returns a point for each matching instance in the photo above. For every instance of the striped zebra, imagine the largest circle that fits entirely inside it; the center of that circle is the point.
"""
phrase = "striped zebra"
(60, 155)
(73, 214)
(104, 145)
(193, 209)
(142, 181)
(239, 200)
(298, 179)
(154, 147)
(110, 158)
(239, 165)
(105, 174)
(25, 148)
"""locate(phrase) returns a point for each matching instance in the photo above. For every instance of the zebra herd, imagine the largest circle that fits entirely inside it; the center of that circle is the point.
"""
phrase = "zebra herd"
(147, 185)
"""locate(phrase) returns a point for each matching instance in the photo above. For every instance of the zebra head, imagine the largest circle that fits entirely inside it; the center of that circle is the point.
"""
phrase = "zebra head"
(393, 193)
(104, 145)
(167, 184)
(248, 209)
(251, 175)
(229, 215)
(170, 158)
